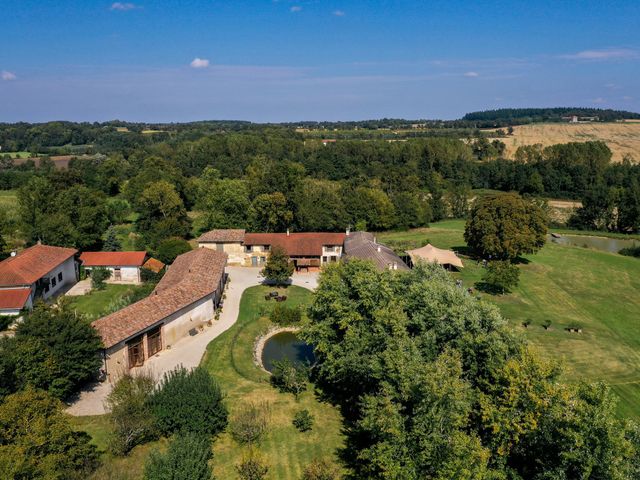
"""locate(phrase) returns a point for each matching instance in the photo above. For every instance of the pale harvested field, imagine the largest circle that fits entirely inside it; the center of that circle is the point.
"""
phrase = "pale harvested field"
(623, 138)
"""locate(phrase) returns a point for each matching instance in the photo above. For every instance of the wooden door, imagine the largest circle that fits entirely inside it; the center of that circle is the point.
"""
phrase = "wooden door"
(136, 353)
(154, 341)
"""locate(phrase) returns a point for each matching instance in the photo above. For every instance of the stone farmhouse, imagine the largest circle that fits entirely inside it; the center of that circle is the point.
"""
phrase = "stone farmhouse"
(307, 250)
(184, 300)
(124, 266)
(38, 272)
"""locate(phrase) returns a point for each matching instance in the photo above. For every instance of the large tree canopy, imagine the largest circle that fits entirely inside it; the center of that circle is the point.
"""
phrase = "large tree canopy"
(433, 385)
(505, 226)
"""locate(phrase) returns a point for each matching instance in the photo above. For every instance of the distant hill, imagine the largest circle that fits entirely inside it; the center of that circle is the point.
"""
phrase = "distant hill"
(522, 116)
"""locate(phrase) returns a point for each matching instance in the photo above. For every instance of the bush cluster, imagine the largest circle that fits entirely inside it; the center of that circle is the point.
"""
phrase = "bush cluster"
(285, 316)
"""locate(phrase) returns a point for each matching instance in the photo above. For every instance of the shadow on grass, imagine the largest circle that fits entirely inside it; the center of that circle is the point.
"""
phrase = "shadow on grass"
(490, 289)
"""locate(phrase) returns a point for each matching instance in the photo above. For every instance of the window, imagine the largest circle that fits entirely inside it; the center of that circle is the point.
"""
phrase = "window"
(60, 277)
(53, 282)
(330, 249)
(247, 248)
(220, 247)
(46, 288)
(325, 259)
(266, 248)
(136, 352)
(333, 258)
(263, 259)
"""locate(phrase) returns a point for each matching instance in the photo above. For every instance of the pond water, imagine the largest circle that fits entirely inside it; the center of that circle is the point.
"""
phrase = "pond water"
(606, 244)
(286, 345)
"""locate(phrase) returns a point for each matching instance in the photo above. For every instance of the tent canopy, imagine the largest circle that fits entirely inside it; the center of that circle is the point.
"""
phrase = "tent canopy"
(432, 254)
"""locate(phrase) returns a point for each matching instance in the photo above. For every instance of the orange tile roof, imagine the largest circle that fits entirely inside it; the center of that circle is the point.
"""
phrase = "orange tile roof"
(191, 277)
(296, 244)
(14, 298)
(154, 265)
(31, 264)
(222, 235)
(113, 259)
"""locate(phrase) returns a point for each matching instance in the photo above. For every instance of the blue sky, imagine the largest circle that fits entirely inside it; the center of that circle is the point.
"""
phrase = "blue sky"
(267, 60)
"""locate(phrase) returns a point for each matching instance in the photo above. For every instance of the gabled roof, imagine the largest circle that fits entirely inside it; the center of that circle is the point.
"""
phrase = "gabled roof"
(191, 277)
(14, 298)
(363, 245)
(113, 259)
(222, 236)
(430, 253)
(31, 264)
(296, 244)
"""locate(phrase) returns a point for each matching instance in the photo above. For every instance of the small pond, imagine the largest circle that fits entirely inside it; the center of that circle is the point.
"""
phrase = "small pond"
(606, 244)
(286, 345)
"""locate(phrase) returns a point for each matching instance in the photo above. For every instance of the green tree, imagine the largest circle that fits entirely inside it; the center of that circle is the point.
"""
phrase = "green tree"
(170, 248)
(320, 469)
(162, 213)
(501, 275)
(412, 210)
(318, 206)
(249, 423)
(270, 212)
(186, 458)
(38, 441)
(224, 202)
(505, 226)
(289, 377)
(66, 345)
(189, 401)
(279, 267)
(111, 242)
(130, 414)
(99, 275)
(252, 467)
(458, 199)
(303, 420)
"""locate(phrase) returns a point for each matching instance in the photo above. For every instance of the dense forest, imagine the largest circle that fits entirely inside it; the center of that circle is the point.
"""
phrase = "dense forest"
(190, 178)
(521, 116)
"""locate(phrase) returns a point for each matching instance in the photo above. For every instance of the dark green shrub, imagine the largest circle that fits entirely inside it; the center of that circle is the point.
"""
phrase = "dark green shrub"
(186, 458)
(189, 401)
(303, 420)
(131, 418)
(288, 377)
(284, 316)
(5, 321)
(501, 276)
(631, 251)
(252, 468)
(170, 248)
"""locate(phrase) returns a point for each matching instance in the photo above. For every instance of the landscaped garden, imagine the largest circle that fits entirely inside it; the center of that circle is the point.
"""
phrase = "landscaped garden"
(566, 287)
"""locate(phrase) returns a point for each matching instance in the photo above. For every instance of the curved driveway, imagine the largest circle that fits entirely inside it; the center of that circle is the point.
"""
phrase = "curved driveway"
(189, 350)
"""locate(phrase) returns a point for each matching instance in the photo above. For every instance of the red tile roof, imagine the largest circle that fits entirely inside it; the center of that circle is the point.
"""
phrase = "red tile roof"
(222, 236)
(154, 265)
(31, 264)
(113, 259)
(14, 298)
(296, 244)
(191, 277)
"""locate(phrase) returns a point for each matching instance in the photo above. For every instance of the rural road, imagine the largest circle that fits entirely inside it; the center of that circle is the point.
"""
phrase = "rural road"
(189, 350)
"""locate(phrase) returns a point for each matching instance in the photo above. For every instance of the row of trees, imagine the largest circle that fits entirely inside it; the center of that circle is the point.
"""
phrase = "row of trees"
(433, 384)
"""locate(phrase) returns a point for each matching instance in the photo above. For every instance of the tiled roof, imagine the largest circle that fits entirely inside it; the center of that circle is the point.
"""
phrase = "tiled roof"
(113, 259)
(296, 244)
(191, 277)
(14, 298)
(221, 236)
(154, 265)
(363, 245)
(31, 264)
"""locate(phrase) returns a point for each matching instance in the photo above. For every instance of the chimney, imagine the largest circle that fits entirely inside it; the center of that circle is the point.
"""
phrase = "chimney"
(287, 232)
(348, 230)
(13, 254)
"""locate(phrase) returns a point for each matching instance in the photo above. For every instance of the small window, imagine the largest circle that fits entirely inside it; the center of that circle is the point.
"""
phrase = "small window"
(266, 248)
(247, 248)
(263, 259)
(53, 282)
(60, 277)
(46, 288)
(325, 259)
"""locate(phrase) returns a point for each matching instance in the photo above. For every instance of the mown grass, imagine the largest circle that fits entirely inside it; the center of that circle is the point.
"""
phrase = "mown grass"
(569, 286)
(94, 303)
(230, 359)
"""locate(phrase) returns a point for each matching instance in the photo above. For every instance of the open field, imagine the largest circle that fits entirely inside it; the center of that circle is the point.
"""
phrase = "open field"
(17, 154)
(569, 286)
(230, 359)
(623, 138)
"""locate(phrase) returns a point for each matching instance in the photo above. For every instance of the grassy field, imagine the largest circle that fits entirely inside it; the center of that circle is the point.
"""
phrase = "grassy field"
(95, 302)
(18, 154)
(230, 359)
(623, 138)
(9, 201)
(569, 286)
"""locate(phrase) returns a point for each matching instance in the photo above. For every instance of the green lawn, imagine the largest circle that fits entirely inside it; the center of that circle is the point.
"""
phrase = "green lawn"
(94, 303)
(18, 154)
(569, 286)
(230, 359)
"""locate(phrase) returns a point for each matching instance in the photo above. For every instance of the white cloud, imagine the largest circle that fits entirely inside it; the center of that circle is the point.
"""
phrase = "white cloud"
(123, 6)
(604, 54)
(7, 76)
(199, 63)
(471, 74)
(296, 8)
(599, 100)
(339, 13)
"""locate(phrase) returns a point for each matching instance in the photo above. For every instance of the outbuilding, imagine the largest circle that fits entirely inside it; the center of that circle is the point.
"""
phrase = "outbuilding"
(124, 266)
